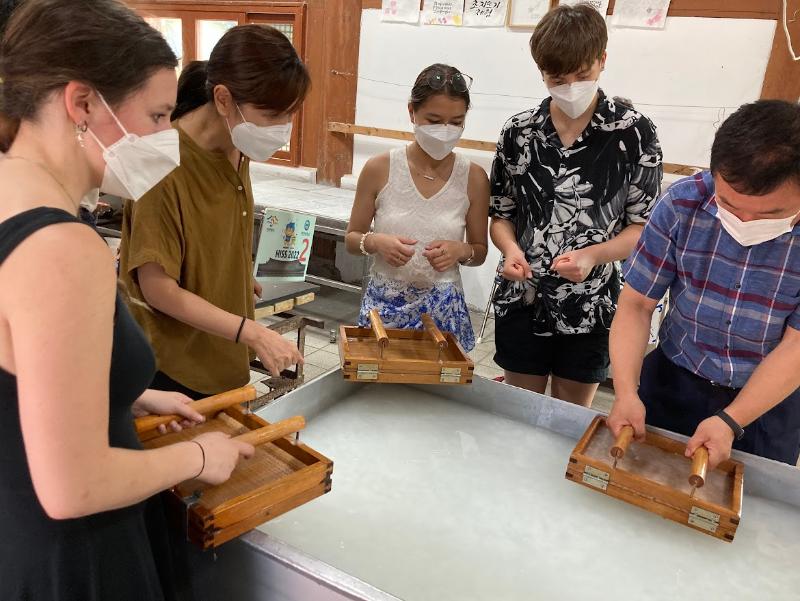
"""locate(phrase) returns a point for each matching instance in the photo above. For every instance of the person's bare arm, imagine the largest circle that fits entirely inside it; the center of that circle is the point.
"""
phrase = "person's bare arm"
(62, 354)
(576, 265)
(627, 344)
(515, 265)
(164, 294)
(443, 254)
(775, 378)
(396, 250)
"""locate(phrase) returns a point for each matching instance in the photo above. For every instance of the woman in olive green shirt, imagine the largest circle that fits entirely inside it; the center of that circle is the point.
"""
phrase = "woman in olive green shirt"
(186, 253)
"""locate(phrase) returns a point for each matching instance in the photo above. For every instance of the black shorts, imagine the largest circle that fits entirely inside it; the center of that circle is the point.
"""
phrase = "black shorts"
(578, 357)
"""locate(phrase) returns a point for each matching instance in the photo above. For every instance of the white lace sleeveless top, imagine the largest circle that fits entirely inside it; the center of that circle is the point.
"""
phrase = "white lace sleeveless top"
(402, 211)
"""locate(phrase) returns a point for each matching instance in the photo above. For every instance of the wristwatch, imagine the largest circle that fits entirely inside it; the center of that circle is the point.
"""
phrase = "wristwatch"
(738, 431)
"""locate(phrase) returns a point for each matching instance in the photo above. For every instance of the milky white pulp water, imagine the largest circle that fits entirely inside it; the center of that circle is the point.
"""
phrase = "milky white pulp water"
(436, 501)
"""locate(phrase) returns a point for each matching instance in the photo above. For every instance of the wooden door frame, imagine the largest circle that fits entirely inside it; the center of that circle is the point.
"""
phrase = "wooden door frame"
(242, 13)
(331, 55)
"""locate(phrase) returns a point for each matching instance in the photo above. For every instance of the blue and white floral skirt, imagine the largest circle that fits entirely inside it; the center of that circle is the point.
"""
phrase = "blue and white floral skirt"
(401, 305)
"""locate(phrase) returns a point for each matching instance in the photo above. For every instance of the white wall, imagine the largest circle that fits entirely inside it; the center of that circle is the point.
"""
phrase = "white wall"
(686, 78)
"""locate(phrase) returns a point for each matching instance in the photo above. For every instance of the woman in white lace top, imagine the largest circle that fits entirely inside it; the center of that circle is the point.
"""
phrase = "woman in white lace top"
(430, 212)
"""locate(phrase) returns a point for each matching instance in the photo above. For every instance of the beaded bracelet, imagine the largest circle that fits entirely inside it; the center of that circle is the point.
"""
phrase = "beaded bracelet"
(361, 244)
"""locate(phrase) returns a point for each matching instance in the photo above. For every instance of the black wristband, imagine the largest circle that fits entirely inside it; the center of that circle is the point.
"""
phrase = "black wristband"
(203, 451)
(738, 431)
(239, 332)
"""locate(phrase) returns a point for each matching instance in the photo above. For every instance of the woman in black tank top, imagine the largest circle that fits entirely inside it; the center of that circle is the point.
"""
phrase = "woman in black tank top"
(80, 76)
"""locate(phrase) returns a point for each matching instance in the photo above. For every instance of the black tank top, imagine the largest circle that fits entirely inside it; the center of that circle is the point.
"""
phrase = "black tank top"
(98, 557)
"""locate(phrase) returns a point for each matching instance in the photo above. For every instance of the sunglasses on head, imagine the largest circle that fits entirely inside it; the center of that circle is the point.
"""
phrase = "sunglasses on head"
(460, 82)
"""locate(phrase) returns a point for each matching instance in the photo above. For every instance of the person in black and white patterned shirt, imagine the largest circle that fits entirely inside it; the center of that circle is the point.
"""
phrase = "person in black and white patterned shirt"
(572, 184)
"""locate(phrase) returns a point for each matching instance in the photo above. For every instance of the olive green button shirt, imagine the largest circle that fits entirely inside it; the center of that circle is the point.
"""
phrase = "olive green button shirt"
(197, 223)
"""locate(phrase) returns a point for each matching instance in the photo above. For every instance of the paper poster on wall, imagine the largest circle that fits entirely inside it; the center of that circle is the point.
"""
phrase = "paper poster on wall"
(600, 6)
(526, 13)
(485, 13)
(645, 14)
(400, 11)
(284, 246)
(443, 12)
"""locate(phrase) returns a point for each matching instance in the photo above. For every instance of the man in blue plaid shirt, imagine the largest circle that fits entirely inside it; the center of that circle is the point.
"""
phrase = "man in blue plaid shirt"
(726, 245)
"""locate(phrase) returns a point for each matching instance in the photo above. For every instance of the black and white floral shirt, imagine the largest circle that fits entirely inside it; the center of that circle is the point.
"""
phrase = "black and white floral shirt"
(562, 199)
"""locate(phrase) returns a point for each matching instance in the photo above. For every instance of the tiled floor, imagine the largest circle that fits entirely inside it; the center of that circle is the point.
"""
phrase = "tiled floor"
(322, 355)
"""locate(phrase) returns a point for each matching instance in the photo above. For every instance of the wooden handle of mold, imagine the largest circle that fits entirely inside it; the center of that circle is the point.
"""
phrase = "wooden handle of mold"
(433, 331)
(207, 406)
(699, 467)
(622, 442)
(273, 431)
(377, 328)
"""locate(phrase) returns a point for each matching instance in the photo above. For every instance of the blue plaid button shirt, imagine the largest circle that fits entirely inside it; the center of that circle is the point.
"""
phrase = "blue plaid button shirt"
(729, 304)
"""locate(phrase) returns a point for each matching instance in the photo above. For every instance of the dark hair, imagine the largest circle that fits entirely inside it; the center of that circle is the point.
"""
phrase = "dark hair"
(49, 43)
(757, 149)
(258, 65)
(568, 39)
(623, 101)
(6, 8)
(423, 91)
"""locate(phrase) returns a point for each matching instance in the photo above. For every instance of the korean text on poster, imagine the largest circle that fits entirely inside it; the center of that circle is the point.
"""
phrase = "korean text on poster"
(443, 12)
(485, 13)
(284, 246)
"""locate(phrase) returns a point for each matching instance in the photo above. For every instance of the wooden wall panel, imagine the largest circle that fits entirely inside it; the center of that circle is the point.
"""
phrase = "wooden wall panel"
(782, 80)
(314, 106)
(248, 6)
(334, 31)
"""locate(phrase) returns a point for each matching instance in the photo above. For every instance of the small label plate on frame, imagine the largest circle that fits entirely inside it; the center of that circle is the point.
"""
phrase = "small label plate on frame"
(450, 375)
(367, 371)
(595, 477)
(702, 518)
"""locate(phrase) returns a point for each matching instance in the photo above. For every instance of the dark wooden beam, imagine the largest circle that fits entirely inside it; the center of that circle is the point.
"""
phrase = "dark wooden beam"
(334, 32)
(782, 79)
(249, 6)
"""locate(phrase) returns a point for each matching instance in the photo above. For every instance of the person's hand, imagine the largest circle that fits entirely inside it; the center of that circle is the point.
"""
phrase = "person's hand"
(164, 402)
(628, 410)
(575, 265)
(274, 351)
(443, 254)
(715, 435)
(395, 250)
(258, 290)
(516, 267)
(221, 454)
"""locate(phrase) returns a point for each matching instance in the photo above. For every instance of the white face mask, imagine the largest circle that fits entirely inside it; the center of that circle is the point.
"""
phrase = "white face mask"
(135, 164)
(259, 143)
(575, 98)
(749, 233)
(89, 201)
(438, 140)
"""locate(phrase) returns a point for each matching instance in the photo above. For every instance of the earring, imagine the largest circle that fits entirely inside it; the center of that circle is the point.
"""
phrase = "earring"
(79, 131)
